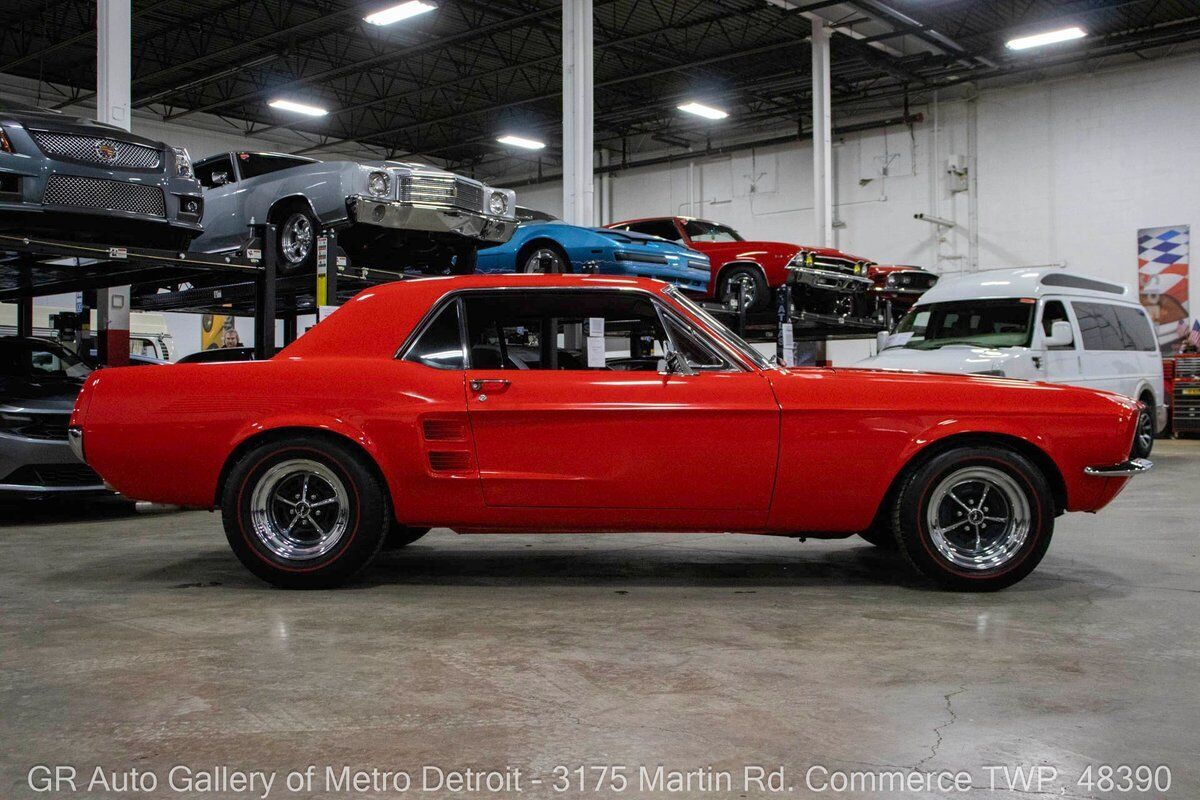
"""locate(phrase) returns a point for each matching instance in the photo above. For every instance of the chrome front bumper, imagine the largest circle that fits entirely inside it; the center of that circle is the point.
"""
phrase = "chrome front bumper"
(1134, 466)
(829, 280)
(402, 215)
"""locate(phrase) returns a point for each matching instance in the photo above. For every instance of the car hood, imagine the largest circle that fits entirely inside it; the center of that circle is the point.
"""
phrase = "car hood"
(43, 394)
(950, 359)
(750, 250)
(48, 120)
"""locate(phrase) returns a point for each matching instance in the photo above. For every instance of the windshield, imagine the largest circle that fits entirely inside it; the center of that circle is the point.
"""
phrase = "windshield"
(729, 337)
(699, 230)
(35, 358)
(974, 323)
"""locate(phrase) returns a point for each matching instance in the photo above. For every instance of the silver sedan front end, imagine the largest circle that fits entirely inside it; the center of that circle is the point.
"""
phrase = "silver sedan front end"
(436, 202)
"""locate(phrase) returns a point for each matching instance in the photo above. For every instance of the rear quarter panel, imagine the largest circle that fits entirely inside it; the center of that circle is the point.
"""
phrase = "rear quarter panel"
(846, 434)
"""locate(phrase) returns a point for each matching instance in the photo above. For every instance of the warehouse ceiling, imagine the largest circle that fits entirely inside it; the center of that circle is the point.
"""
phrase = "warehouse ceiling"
(443, 85)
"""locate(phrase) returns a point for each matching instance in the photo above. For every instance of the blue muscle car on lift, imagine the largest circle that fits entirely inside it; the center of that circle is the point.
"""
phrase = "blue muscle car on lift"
(545, 244)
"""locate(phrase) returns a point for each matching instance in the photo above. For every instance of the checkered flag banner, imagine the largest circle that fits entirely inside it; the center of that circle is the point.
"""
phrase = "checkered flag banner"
(1163, 282)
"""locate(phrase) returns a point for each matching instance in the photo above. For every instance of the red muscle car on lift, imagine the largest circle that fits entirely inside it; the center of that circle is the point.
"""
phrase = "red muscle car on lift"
(499, 403)
(897, 287)
(824, 280)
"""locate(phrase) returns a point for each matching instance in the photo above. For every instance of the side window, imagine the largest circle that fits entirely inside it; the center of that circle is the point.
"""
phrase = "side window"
(574, 330)
(1136, 328)
(658, 227)
(693, 348)
(440, 345)
(1054, 311)
(1108, 327)
(207, 172)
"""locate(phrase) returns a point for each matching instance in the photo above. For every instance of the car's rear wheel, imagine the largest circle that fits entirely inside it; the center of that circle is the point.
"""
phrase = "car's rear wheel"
(733, 280)
(401, 535)
(544, 259)
(974, 518)
(306, 512)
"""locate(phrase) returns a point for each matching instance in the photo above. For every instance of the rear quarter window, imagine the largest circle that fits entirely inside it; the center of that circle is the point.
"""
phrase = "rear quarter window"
(1105, 326)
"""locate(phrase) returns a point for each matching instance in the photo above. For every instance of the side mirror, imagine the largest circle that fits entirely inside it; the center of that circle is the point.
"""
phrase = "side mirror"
(674, 364)
(881, 341)
(1060, 335)
(220, 178)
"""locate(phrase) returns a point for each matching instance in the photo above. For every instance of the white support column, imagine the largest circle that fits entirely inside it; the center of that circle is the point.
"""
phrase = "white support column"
(578, 183)
(112, 106)
(822, 134)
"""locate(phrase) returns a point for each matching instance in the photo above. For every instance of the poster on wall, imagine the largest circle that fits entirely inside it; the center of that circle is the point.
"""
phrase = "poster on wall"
(1163, 282)
(217, 332)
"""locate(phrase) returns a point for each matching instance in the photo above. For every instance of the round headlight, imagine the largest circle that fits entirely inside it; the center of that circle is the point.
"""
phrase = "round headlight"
(378, 183)
(498, 203)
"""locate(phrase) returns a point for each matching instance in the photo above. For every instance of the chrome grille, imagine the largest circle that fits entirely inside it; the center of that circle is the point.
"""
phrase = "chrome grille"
(97, 150)
(436, 189)
(136, 198)
(35, 425)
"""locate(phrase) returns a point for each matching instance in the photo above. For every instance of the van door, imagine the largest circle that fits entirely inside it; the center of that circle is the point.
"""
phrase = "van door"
(1111, 357)
(1058, 364)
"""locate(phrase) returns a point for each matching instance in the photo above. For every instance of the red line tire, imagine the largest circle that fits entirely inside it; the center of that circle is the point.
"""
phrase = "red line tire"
(332, 534)
(934, 530)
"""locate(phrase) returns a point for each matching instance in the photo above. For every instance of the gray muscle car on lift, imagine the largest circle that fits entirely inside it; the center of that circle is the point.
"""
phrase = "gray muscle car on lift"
(388, 214)
(72, 178)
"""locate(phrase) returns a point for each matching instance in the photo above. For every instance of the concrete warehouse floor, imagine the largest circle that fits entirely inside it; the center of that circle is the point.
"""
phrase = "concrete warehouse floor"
(138, 641)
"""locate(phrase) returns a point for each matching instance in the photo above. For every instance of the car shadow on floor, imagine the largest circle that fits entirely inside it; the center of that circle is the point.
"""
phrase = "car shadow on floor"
(31, 513)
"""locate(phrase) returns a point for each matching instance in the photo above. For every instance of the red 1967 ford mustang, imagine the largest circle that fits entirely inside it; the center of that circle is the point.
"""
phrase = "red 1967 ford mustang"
(569, 403)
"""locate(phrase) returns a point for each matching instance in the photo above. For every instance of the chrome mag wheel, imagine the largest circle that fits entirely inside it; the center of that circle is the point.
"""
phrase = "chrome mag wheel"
(544, 260)
(300, 509)
(296, 238)
(978, 518)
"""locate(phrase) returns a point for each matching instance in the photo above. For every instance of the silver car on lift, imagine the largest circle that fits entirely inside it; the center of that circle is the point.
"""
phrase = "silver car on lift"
(390, 215)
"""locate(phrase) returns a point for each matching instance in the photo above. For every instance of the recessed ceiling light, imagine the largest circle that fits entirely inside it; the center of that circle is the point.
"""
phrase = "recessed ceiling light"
(386, 16)
(299, 108)
(701, 110)
(521, 141)
(1049, 37)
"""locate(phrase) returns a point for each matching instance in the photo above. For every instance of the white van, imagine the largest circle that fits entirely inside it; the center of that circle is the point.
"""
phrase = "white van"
(1037, 324)
(148, 331)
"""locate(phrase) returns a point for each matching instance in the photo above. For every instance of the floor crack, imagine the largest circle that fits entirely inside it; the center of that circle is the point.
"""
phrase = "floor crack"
(933, 748)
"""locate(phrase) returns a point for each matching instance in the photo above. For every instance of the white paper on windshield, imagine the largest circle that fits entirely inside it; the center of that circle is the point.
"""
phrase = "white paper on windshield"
(789, 346)
(595, 326)
(595, 351)
(897, 339)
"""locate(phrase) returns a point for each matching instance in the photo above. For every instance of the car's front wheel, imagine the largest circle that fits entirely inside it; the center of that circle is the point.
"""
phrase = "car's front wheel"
(305, 512)
(974, 518)
(744, 282)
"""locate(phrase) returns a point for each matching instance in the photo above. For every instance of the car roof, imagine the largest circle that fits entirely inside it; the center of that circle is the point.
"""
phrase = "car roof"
(1025, 282)
(375, 322)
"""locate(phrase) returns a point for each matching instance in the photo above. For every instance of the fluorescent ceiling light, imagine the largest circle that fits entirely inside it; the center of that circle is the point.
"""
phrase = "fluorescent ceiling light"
(701, 110)
(1049, 37)
(299, 108)
(391, 14)
(521, 141)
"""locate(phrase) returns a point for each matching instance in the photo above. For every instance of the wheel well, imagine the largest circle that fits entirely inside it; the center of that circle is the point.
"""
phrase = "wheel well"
(735, 264)
(1147, 397)
(275, 214)
(533, 244)
(1058, 486)
(279, 434)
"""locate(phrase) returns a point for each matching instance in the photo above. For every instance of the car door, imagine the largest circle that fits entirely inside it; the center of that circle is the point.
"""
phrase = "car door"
(568, 409)
(224, 226)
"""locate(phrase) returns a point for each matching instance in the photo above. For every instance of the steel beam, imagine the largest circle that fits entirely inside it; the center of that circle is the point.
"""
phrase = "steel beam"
(577, 126)
(822, 134)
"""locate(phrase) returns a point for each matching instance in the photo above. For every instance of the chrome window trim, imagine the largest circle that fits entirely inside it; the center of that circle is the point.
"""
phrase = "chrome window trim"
(459, 295)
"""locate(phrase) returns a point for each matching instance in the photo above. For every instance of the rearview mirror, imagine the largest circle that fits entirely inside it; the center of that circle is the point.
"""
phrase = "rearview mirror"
(1060, 335)
(674, 364)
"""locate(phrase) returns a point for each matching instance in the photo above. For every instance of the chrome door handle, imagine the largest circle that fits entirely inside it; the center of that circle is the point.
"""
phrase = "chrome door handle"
(479, 384)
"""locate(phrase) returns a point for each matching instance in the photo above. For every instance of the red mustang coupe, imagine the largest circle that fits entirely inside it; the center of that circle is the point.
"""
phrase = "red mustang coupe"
(824, 280)
(575, 403)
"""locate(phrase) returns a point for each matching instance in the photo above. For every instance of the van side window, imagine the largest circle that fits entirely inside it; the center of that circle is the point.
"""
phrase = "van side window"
(1109, 327)
(1054, 311)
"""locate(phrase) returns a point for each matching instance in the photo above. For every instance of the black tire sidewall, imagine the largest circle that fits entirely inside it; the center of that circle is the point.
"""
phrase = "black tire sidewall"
(1138, 452)
(761, 290)
(367, 524)
(912, 536)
